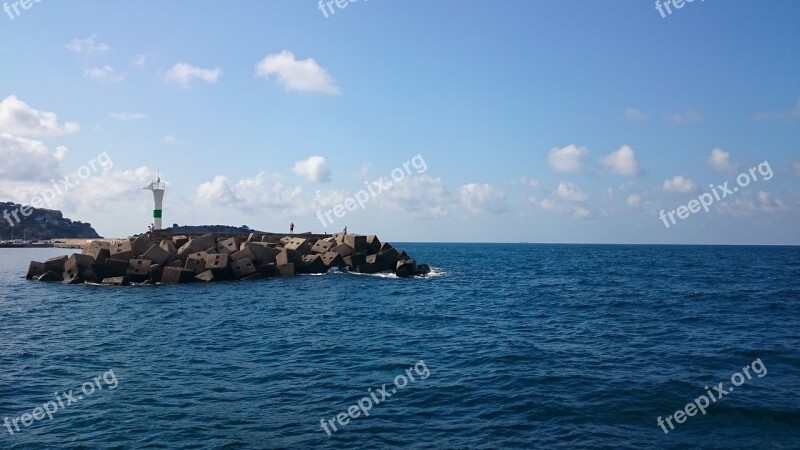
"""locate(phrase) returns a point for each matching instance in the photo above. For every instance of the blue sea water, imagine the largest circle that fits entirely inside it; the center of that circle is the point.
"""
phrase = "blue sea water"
(524, 346)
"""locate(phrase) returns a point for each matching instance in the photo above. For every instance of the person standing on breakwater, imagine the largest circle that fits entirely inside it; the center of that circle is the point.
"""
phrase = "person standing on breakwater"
(291, 228)
(345, 230)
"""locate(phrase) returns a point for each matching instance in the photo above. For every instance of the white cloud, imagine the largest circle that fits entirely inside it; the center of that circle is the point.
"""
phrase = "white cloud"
(622, 161)
(422, 197)
(363, 171)
(253, 194)
(27, 159)
(567, 159)
(215, 191)
(140, 60)
(570, 192)
(719, 160)
(687, 117)
(633, 200)
(172, 140)
(313, 169)
(18, 118)
(781, 116)
(679, 183)
(482, 199)
(184, 74)
(105, 73)
(127, 117)
(634, 115)
(576, 211)
(748, 204)
(87, 46)
(296, 75)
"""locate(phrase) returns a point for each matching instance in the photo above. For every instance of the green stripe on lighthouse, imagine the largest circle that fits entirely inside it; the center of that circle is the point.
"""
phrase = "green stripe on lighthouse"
(156, 214)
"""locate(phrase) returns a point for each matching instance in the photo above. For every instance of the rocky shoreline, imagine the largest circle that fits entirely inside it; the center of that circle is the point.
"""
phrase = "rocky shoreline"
(162, 258)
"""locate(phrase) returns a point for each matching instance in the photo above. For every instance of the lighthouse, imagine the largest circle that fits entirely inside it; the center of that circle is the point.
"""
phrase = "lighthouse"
(158, 187)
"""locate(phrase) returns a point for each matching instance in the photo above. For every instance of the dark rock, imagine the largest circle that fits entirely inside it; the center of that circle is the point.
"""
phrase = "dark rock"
(355, 260)
(268, 270)
(406, 268)
(373, 244)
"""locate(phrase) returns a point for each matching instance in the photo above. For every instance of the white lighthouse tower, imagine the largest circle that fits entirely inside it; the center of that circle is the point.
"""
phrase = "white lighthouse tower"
(158, 187)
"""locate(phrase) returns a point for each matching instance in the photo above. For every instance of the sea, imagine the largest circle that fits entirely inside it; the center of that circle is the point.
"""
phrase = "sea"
(520, 346)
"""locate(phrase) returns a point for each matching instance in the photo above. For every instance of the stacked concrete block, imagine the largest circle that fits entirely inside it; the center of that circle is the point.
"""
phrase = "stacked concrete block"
(157, 254)
(229, 245)
(243, 268)
(75, 267)
(138, 270)
(181, 259)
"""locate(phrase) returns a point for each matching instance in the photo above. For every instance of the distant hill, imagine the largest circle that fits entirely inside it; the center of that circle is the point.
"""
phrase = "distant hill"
(41, 224)
(222, 229)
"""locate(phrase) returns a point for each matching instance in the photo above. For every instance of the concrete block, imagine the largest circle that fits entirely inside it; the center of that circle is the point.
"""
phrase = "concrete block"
(56, 264)
(322, 246)
(207, 276)
(219, 264)
(156, 270)
(111, 268)
(122, 251)
(138, 270)
(168, 245)
(256, 248)
(242, 268)
(355, 260)
(50, 276)
(75, 266)
(139, 245)
(285, 240)
(176, 275)
(405, 268)
(157, 254)
(242, 254)
(230, 245)
(115, 281)
(268, 270)
(357, 241)
(339, 237)
(342, 249)
(371, 268)
(255, 276)
(98, 250)
(313, 264)
(332, 259)
(254, 237)
(299, 245)
(195, 264)
(179, 241)
(35, 269)
(373, 244)
(389, 257)
(287, 256)
(286, 270)
(422, 269)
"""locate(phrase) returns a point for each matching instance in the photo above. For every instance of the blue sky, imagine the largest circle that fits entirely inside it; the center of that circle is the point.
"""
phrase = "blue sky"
(536, 121)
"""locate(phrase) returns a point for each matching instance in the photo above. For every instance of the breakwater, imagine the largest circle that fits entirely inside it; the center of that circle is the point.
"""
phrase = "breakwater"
(163, 258)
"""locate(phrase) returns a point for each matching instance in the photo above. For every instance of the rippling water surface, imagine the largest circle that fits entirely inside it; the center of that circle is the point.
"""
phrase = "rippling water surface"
(527, 346)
